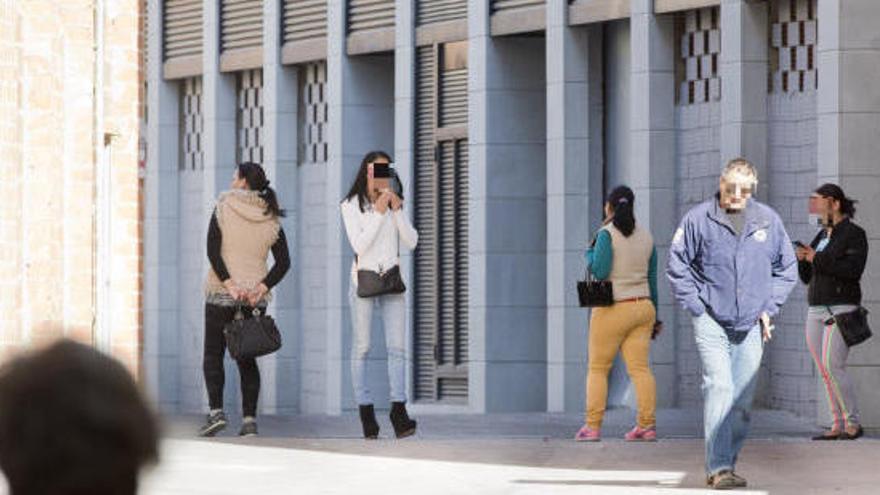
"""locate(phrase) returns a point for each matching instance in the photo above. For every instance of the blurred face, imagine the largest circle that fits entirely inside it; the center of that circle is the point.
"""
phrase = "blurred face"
(823, 206)
(237, 182)
(736, 189)
(375, 186)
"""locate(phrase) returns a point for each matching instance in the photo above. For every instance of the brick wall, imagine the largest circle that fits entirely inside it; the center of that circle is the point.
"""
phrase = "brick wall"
(699, 162)
(47, 159)
(310, 265)
(792, 150)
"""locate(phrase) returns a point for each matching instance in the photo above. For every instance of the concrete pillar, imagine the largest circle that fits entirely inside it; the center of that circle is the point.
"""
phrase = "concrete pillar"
(161, 226)
(280, 371)
(574, 192)
(650, 172)
(219, 113)
(507, 192)
(743, 70)
(478, 133)
(849, 144)
(404, 140)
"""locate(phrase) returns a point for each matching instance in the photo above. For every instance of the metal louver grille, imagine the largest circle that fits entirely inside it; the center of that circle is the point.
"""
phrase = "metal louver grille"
(191, 124)
(425, 214)
(182, 35)
(249, 121)
(304, 20)
(453, 97)
(430, 11)
(507, 5)
(241, 24)
(441, 261)
(370, 14)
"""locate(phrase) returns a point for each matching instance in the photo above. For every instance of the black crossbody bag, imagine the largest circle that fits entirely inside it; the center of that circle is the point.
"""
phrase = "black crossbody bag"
(374, 284)
(853, 325)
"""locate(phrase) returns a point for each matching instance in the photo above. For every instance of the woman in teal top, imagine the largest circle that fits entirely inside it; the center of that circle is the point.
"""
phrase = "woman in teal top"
(624, 254)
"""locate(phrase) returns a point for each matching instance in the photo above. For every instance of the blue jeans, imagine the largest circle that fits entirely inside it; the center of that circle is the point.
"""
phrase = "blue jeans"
(393, 311)
(730, 372)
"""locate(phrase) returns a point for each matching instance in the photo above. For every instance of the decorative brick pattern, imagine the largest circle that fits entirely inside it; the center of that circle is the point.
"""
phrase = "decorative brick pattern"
(793, 45)
(699, 48)
(313, 113)
(191, 124)
(249, 122)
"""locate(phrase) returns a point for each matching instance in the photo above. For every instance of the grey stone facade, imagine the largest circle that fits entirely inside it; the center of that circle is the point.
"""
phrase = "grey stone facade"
(557, 114)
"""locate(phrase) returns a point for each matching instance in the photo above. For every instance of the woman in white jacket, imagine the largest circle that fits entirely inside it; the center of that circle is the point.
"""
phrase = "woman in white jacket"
(377, 227)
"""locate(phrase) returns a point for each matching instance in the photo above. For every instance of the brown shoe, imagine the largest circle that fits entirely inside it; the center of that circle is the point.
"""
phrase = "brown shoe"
(725, 480)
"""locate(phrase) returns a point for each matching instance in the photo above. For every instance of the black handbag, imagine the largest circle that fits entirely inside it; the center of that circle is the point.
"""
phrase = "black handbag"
(594, 293)
(853, 325)
(250, 337)
(373, 284)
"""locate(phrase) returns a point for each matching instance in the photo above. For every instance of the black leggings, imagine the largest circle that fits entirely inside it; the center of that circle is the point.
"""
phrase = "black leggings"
(216, 317)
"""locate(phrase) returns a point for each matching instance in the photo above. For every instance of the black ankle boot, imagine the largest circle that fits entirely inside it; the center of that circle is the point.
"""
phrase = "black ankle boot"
(403, 426)
(368, 422)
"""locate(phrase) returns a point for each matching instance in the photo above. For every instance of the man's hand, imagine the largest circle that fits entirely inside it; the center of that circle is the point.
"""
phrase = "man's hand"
(236, 292)
(766, 327)
(257, 294)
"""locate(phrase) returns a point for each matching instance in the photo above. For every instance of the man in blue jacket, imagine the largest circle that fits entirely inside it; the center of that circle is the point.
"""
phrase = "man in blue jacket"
(731, 266)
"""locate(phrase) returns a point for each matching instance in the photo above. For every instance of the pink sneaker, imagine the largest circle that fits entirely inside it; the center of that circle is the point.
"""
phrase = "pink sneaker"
(587, 434)
(639, 434)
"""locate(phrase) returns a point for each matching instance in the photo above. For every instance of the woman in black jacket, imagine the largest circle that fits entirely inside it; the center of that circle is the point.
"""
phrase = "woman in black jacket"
(832, 266)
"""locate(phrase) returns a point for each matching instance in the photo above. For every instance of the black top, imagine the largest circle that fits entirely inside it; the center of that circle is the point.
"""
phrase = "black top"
(834, 275)
(279, 252)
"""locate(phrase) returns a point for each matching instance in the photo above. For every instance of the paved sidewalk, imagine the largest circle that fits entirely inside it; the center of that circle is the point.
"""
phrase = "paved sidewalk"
(520, 454)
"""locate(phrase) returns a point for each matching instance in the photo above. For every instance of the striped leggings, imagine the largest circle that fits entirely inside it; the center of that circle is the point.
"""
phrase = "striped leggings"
(829, 352)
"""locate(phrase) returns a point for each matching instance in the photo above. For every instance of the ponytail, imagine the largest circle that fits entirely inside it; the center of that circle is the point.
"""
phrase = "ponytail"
(622, 202)
(256, 180)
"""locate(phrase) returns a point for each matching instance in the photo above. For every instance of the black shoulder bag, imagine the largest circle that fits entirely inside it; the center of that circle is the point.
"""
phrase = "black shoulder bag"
(250, 337)
(853, 325)
(594, 293)
(374, 284)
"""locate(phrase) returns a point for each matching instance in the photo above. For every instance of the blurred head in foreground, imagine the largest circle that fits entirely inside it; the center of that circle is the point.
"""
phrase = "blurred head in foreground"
(73, 422)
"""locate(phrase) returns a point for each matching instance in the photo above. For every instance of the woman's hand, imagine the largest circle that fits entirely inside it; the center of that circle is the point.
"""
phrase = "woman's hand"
(657, 330)
(396, 202)
(800, 253)
(257, 294)
(236, 292)
(381, 204)
(808, 254)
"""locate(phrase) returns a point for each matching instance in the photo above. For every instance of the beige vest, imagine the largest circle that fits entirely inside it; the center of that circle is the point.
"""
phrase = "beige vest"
(248, 235)
(629, 265)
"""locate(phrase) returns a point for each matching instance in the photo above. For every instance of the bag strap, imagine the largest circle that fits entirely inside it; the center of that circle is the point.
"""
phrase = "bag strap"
(396, 235)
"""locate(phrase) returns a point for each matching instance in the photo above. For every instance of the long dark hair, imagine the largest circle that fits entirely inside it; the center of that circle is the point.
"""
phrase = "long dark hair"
(833, 191)
(622, 201)
(255, 177)
(359, 186)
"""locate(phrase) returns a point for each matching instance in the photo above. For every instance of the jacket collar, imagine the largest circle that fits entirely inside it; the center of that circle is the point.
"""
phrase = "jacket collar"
(754, 220)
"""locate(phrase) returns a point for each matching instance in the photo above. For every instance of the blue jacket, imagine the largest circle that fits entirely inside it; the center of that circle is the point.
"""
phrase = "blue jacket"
(733, 278)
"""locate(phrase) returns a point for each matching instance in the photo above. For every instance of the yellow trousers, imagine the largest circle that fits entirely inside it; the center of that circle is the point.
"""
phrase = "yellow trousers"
(625, 327)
